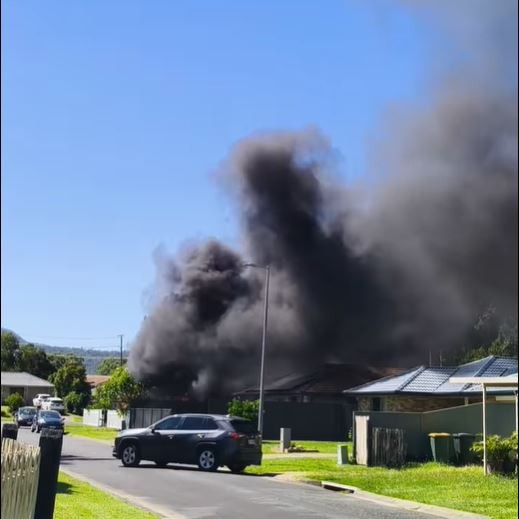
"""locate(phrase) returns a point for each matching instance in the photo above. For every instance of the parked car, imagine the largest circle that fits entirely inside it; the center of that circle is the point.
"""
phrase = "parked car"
(38, 400)
(209, 441)
(25, 415)
(53, 404)
(47, 420)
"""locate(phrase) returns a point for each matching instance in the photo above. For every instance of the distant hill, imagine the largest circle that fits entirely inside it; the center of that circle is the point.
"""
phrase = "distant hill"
(91, 357)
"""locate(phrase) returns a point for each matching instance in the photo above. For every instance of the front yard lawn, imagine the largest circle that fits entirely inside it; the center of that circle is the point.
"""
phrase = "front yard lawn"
(82, 501)
(272, 447)
(460, 488)
(88, 431)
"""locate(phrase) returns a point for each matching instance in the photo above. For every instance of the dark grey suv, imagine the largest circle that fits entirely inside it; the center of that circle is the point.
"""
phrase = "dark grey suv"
(209, 441)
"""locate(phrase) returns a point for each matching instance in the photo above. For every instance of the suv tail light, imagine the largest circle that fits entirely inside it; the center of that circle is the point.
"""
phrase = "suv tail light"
(235, 435)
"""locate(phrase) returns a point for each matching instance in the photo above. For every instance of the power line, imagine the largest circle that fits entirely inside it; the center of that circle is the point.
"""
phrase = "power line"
(45, 337)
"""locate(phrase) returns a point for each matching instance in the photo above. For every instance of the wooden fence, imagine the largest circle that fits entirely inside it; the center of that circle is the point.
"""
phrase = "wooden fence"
(20, 470)
(388, 447)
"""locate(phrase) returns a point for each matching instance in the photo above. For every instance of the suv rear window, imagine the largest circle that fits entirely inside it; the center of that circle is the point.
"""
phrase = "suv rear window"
(244, 427)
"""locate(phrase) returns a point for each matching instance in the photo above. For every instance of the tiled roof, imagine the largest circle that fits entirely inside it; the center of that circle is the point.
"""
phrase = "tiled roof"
(21, 378)
(435, 380)
(96, 380)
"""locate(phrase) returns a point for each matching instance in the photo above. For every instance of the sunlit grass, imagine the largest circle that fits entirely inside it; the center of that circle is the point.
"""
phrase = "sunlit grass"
(90, 432)
(82, 501)
(272, 447)
(460, 488)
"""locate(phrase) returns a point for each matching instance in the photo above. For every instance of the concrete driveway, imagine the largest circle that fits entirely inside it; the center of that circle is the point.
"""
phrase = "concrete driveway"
(183, 492)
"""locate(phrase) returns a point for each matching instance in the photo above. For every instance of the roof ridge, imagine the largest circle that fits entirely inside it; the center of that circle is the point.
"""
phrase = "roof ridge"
(420, 370)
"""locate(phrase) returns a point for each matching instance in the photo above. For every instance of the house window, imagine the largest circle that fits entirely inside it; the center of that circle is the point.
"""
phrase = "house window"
(376, 404)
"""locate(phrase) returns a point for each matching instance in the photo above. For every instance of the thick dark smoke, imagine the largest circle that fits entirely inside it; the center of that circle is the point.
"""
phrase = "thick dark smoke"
(381, 274)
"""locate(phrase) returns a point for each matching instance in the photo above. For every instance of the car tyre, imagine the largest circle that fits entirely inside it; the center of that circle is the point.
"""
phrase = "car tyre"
(237, 468)
(206, 459)
(130, 455)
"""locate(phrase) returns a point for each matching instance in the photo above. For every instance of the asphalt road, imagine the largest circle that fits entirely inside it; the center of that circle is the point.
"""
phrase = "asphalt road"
(182, 492)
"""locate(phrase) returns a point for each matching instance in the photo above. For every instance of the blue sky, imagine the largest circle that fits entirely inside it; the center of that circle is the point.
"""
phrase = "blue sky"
(116, 114)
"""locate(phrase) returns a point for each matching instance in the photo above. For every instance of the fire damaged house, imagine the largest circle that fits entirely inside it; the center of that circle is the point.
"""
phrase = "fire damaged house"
(313, 404)
(325, 385)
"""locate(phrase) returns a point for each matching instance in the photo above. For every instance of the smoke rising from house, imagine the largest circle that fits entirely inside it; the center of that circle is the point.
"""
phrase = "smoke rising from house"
(382, 272)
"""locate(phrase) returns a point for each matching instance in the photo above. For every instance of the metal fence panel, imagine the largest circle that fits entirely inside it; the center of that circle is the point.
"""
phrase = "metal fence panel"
(93, 417)
(143, 417)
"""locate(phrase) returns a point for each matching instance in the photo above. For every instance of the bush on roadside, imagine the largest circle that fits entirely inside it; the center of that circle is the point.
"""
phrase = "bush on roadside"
(247, 409)
(501, 452)
(14, 402)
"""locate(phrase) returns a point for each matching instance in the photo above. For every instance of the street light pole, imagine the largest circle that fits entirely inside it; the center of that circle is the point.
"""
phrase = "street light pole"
(263, 344)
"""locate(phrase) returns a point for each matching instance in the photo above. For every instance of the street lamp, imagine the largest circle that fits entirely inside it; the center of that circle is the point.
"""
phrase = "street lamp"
(263, 342)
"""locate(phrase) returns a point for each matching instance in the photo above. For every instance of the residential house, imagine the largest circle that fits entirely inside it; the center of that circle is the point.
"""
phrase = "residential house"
(322, 385)
(94, 381)
(428, 388)
(24, 384)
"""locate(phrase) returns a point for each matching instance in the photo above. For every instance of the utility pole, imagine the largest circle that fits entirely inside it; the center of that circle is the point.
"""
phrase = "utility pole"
(263, 343)
(121, 347)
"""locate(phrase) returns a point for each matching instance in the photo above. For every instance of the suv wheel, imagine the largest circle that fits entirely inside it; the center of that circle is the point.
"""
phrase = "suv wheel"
(207, 459)
(130, 455)
(236, 469)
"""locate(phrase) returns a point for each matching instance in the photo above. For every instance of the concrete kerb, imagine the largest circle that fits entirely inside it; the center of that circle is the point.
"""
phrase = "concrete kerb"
(127, 498)
(438, 511)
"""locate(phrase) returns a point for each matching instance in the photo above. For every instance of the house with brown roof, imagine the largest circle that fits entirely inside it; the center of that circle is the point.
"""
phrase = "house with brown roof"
(94, 381)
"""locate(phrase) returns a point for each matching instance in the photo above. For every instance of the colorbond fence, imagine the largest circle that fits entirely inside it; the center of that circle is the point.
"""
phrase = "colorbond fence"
(416, 426)
(20, 470)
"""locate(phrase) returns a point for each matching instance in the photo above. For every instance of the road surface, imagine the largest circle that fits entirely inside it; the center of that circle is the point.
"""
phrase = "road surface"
(182, 492)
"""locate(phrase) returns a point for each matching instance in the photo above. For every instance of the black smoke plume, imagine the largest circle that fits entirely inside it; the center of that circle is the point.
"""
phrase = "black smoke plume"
(380, 273)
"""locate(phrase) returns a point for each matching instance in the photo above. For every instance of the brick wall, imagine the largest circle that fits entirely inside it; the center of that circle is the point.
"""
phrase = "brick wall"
(420, 403)
(414, 404)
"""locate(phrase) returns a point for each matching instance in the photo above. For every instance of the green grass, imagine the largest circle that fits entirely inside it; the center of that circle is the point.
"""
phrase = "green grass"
(460, 488)
(88, 431)
(271, 447)
(82, 501)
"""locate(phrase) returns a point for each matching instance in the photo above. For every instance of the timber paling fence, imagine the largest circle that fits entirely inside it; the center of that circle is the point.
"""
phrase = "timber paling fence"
(20, 472)
(388, 447)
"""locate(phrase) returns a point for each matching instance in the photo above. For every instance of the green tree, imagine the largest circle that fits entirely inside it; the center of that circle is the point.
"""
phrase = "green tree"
(57, 361)
(76, 402)
(70, 377)
(490, 335)
(119, 392)
(10, 350)
(247, 409)
(35, 361)
(109, 365)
